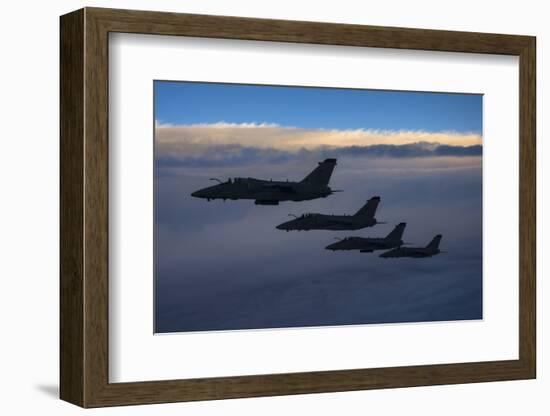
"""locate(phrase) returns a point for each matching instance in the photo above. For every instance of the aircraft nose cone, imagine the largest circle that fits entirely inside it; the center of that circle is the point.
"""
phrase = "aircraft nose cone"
(199, 194)
(285, 226)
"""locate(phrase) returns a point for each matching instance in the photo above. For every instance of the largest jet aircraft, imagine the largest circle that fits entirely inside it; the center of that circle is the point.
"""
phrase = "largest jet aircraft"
(268, 192)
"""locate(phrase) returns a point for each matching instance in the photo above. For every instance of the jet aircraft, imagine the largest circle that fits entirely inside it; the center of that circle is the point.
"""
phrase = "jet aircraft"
(269, 192)
(368, 245)
(430, 250)
(361, 219)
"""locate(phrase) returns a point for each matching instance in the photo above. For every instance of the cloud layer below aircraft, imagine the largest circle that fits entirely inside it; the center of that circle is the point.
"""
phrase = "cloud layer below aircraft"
(224, 265)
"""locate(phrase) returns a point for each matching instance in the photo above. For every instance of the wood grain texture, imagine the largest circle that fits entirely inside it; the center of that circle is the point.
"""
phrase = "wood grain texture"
(527, 207)
(96, 208)
(72, 215)
(84, 207)
(162, 23)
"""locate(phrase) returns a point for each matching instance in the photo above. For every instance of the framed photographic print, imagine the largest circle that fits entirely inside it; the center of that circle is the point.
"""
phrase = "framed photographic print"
(255, 207)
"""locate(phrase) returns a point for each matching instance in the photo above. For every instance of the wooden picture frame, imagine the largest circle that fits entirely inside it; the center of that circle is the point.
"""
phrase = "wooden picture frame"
(84, 207)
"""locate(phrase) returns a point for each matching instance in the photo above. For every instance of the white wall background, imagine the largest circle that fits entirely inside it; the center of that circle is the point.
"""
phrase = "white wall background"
(29, 209)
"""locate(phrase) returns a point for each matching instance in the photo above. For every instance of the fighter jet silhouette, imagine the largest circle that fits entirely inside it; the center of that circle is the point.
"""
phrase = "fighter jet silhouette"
(368, 245)
(269, 192)
(361, 219)
(430, 250)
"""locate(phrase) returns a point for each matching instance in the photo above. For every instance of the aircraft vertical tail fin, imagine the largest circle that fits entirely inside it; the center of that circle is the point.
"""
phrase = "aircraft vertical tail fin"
(397, 232)
(321, 174)
(369, 209)
(434, 244)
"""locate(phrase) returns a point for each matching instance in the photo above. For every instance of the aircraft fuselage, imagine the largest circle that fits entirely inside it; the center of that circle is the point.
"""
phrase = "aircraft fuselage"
(263, 191)
(365, 245)
(410, 252)
(327, 222)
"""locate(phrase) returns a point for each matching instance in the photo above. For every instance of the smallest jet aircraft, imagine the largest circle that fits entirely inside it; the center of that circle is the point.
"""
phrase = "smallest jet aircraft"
(361, 219)
(368, 245)
(430, 250)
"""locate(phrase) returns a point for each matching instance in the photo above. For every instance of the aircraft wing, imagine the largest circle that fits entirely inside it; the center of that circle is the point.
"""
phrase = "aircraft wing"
(413, 251)
(374, 245)
(335, 222)
(369, 247)
(279, 187)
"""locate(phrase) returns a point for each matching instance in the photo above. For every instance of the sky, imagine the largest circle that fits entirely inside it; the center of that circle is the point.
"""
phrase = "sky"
(326, 108)
(224, 265)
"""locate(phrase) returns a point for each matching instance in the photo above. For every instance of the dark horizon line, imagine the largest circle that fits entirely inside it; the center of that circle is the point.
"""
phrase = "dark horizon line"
(412, 150)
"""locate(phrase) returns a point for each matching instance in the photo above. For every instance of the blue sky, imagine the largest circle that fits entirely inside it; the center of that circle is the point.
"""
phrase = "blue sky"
(327, 108)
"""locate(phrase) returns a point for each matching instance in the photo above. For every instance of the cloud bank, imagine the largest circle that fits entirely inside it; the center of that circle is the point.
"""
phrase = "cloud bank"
(233, 144)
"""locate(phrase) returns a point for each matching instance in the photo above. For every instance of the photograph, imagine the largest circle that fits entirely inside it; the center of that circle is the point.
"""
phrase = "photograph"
(303, 206)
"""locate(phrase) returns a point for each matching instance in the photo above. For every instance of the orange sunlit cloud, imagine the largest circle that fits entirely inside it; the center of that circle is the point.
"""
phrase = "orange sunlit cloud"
(194, 139)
